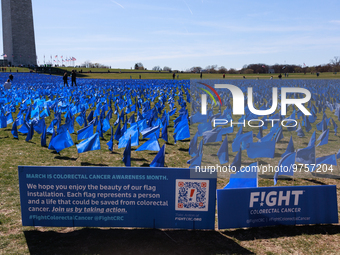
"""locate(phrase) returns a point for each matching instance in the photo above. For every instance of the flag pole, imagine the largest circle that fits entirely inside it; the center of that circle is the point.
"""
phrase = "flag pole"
(337, 164)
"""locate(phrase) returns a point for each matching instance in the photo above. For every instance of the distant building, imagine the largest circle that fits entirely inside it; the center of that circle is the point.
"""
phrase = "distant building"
(3, 62)
(18, 32)
(271, 69)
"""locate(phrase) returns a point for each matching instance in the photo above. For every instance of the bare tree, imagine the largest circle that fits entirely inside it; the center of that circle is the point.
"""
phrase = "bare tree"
(211, 69)
(166, 68)
(157, 68)
(335, 62)
(195, 69)
(222, 69)
(232, 71)
(87, 64)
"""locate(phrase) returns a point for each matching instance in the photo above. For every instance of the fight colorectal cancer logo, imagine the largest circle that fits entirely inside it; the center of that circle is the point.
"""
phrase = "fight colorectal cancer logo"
(192, 195)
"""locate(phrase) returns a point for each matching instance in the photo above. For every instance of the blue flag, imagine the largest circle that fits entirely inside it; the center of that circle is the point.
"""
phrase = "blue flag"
(130, 134)
(110, 143)
(312, 139)
(193, 146)
(50, 146)
(182, 133)
(236, 165)
(62, 141)
(106, 125)
(90, 117)
(14, 130)
(85, 132)
(308, 126)
(244, 178)
(159, 160)
(222, 153)
(306, 155)
(269, 136)
(131, 119)
(212, 136)
(24, 128)
(299, 131)
(165, 133)
(9, 118)
(335, 127)
(290, 147)
(39, 126)
(172, 112)
(323, 137)
(150, 145)
(148, 132)
(330, 160)
(286, 166)
(204, 127)
(241, 141)
(43, 137)
(118, 133)
(30, 132)
(279, 135)
(127, 154)
(196, 161)
(261, 149)
(90, 144)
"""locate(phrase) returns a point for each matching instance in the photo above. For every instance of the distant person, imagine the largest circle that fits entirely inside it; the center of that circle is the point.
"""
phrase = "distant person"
(201, 75)
(65, 79)
(8, 84)
(11, 77)
(173, 76)
(73, 77)
(280, 76)
(224, 76)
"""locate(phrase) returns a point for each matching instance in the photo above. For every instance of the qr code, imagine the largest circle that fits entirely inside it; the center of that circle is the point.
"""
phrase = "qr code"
(192, 195)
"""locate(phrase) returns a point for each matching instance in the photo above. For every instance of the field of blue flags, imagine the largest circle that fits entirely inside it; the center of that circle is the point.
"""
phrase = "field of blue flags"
(130, 119)
(295, 144)
(159, 123)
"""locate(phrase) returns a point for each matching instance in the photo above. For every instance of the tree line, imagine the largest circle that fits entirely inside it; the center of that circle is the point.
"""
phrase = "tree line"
(332, 66)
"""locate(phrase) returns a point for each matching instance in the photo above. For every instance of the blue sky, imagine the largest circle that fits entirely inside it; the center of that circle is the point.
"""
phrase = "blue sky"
(186, 33)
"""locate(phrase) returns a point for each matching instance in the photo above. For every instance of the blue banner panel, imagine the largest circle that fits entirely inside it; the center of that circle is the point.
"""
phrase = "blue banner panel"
(116, 197)
(256, 207)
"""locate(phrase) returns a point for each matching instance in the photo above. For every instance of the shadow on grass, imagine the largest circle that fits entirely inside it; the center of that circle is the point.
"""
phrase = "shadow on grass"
(184, 149)
(65, 158)
(90, 164)
(277, 155)
(138, 159)
(281, 231)
(131, 241)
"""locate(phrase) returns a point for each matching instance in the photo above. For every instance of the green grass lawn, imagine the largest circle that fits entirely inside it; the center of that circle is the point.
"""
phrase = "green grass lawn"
(104, 73)
(167, 75)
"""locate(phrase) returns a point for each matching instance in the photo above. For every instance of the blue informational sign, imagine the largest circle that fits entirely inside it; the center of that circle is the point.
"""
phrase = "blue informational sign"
(255, 207)
(116, 197)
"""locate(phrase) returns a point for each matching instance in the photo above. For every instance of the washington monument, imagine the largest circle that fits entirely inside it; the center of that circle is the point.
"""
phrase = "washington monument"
(18, 32)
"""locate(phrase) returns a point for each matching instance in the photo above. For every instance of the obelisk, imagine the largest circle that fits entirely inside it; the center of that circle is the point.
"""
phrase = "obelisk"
(18, 32)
